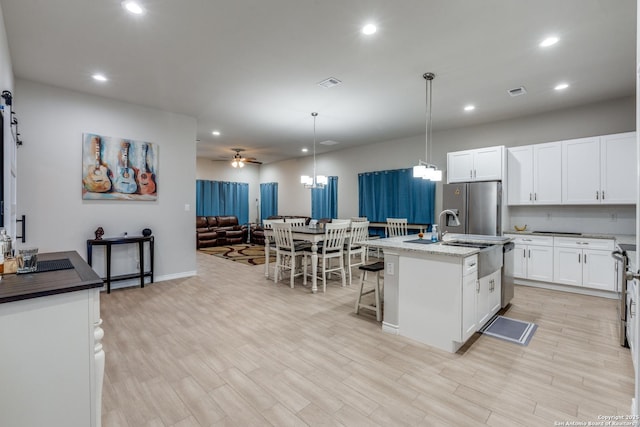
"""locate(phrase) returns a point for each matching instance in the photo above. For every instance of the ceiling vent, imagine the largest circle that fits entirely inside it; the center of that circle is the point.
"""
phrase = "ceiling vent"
(328, 142)
(330, 82)
(517, 91)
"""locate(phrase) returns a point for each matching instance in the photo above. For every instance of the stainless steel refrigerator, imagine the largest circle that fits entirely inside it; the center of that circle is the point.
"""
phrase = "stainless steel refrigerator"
(478, 205)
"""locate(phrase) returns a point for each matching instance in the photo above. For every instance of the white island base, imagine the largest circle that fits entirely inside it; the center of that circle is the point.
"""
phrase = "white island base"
(432, 293)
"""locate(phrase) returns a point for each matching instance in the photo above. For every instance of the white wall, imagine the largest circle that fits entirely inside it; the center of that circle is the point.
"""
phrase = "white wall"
(596, 119)
(214, 170)
(50, 177)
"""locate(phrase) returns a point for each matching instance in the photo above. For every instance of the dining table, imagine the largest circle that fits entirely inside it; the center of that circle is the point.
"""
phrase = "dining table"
(307, 234)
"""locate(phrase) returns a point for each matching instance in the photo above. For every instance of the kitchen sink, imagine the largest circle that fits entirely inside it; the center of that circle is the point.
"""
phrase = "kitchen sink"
(489, 257)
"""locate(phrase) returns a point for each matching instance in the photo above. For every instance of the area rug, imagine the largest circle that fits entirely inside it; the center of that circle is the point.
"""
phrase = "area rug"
(249, 254)
(511, 330)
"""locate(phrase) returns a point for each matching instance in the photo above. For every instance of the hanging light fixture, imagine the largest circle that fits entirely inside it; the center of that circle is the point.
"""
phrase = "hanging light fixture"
(238, 160)
(425, 169)
(315, 181)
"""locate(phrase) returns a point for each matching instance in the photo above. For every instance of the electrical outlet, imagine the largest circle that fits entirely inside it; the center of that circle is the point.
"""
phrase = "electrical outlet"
(548, 216)
(614, 217)
(390, 269)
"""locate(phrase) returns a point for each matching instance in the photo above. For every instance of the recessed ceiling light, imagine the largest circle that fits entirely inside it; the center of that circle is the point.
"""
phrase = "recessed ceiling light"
(216, 133)
(561, 86)
(99, 77)
(469, 107)
(304, 150)
(369, 29)
(549, 41)
(133, 7)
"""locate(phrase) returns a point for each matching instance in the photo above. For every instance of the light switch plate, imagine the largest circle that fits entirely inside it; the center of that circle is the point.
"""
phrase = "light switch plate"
(390, 269)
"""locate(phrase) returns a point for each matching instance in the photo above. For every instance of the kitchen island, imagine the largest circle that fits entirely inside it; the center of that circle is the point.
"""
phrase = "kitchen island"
(52, 362)
(432, 292)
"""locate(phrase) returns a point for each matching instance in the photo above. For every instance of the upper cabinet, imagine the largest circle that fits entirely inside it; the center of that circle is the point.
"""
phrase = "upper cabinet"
(533, 174)
(484, 164)
(599, 170)
(583, 171)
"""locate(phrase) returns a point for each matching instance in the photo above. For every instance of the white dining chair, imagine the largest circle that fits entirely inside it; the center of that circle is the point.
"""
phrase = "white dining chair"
(331, 248)
(297, 222)
(355, 246)
(396, 227)
(287, 252)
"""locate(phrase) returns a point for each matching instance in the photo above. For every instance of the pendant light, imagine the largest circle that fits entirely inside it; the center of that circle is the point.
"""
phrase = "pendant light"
(315, 181)
(425, 169)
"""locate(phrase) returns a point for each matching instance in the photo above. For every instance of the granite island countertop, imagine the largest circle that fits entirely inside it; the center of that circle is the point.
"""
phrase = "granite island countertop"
(403, 243)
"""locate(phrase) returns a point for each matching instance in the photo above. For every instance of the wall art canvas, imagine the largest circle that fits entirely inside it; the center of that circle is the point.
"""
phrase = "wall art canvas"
(115, 168)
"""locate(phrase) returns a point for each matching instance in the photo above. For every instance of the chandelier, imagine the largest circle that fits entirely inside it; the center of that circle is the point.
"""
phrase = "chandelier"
(425, 169)
(315, 181)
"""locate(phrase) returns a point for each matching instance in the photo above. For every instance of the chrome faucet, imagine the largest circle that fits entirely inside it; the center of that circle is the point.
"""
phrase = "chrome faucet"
(448, 212)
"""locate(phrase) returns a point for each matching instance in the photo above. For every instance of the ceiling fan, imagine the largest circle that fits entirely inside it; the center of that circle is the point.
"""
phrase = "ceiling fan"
(238, 161)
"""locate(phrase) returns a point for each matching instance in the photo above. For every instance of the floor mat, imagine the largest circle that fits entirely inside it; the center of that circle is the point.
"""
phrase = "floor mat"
(511, 330)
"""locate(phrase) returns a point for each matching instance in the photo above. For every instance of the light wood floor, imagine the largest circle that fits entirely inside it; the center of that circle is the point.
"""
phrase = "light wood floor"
(230, 348)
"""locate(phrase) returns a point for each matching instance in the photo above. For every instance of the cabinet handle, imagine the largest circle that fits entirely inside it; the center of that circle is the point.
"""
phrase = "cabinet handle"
(535, 196)
(526, 240)
(470, 173)
(603, 195)
(530, 197)
(597, 195)
(475, 174)
(578, 258)
(585, 258)
(529, 253)
(632, 311)
(477, 286)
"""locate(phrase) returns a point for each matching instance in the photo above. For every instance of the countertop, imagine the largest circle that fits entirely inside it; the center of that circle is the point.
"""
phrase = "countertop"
(16, 287)
(620, 238)
(425, 248)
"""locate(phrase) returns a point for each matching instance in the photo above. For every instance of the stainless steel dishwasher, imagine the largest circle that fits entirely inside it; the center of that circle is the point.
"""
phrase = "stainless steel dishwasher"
(507, 273)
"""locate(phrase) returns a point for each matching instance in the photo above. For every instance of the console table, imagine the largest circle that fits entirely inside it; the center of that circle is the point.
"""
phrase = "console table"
(109, 242)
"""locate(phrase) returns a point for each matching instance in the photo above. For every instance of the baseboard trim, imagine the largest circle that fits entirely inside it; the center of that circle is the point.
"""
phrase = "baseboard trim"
(568, 288)
(390, 329)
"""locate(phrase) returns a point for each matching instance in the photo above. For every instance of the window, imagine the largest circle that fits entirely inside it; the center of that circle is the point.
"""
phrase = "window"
(223, 198)
(396, 194)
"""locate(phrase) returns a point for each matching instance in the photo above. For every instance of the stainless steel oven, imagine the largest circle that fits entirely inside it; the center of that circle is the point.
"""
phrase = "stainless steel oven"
(622, 265)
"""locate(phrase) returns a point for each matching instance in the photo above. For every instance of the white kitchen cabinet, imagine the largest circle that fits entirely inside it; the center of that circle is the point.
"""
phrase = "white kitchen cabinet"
(488, 298)
(618, 176)
(533, 174)
(584, 262)
(469, 298)
(599, 170)
(483, 164)
(533, 257)
(632, 303)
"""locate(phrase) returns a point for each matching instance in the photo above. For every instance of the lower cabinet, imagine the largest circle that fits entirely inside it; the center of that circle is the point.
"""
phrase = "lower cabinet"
(632, 298)
(576, 265)
(469, 312)
(533, 257)
(488, 302)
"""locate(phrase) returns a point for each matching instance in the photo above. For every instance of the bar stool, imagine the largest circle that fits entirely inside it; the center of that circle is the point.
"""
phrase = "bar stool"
(377, 268)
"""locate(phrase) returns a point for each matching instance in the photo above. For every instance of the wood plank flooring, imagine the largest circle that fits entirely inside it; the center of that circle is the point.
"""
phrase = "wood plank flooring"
(231, 348)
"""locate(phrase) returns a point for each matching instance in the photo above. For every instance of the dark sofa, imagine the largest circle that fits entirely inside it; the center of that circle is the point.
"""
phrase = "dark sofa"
(219, 231)
(257, 231)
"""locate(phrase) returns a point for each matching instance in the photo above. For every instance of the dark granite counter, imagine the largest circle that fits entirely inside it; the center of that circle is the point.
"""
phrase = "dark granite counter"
(16, 287)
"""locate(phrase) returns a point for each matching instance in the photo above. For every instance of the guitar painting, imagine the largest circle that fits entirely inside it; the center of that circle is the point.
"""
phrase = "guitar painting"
(97, 179)
(146, 178)
(125, 181)
(117, 168)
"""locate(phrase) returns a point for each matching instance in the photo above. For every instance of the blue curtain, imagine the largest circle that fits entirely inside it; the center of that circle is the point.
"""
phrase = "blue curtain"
(324, 201)
(223, 198)
(396, 194)
(268, 200)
